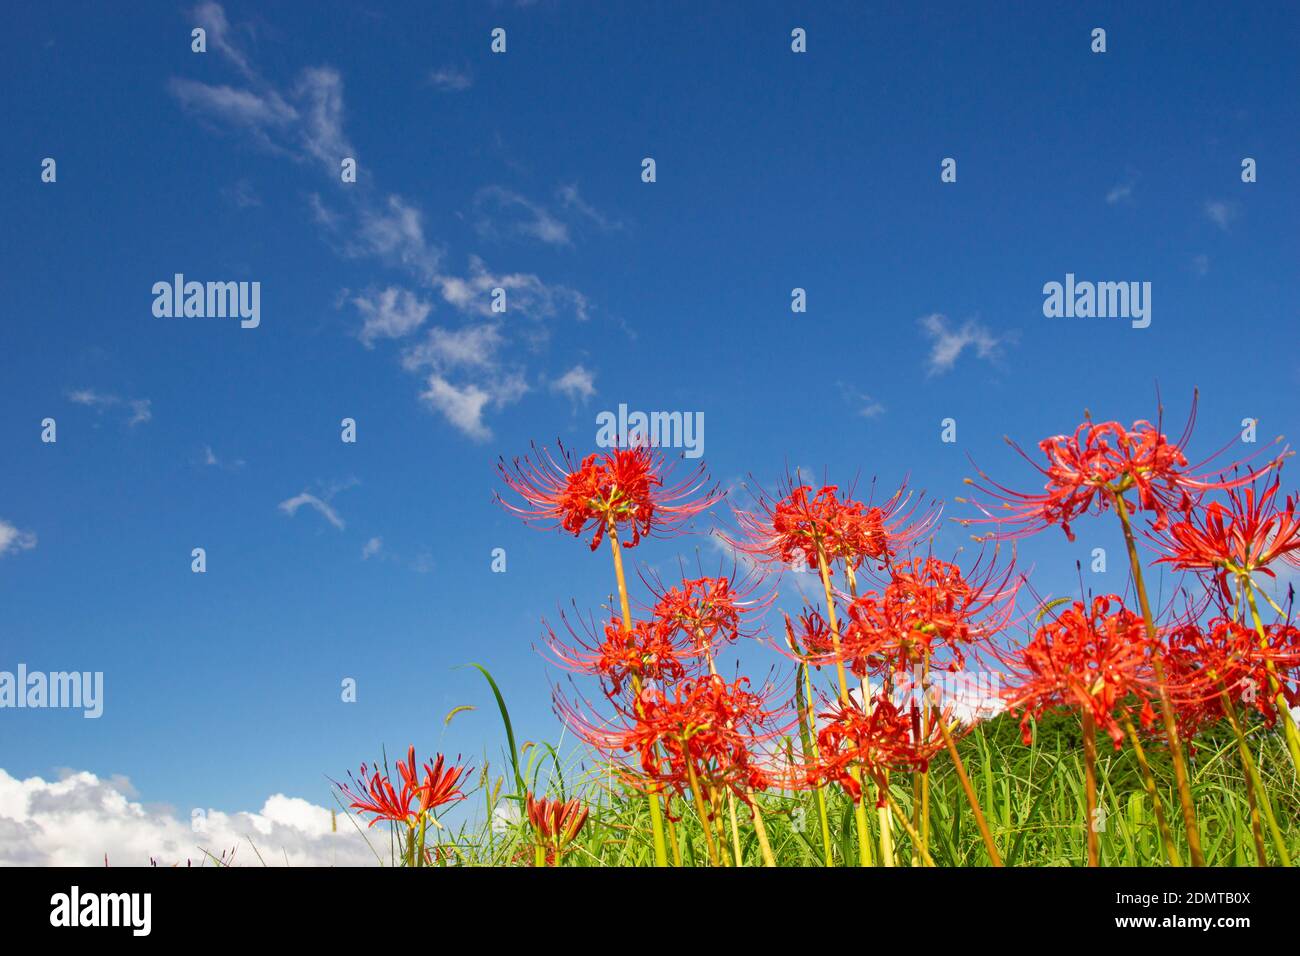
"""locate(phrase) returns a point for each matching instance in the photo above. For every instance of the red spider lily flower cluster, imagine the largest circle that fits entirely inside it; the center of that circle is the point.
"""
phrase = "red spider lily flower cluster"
(1085, 471)
(686, 625)
(893, 614)
(706, 732)
(620, 659)
(623, 488)
(928, 613)
(709, 611)
(1225, 657)
(556, 822)
(1095, 658)
(1242, 535)
(374, 793)
(873, 739)
(798, 526)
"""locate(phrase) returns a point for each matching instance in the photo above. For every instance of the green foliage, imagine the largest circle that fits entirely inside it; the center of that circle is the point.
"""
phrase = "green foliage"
(1033, 797)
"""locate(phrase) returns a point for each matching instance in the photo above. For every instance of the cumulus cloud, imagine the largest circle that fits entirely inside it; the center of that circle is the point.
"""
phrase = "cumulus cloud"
(390, 314)
(371, 548)
(13, 540)
(948, 343)
(290, 507)
(577, 383)
(81, 818)
(463, 405)
(471, 346)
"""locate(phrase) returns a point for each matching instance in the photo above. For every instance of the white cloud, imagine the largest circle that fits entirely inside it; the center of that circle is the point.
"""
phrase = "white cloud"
(1221, 213)
(867, 406)
(1119, 193)
(305, 120)
(395, 232)
(80, 819)
(390, 314)
(538, 223)
(472, 346)
(242, 195)
(949, 343)
(572, 199)
(13, 540)
(210, 459)
(320, 92)
(463, 405)
(450, 79)
(238, 107)
(371, 548)
(526, 294)
(577, 383)
(291, 505)
(90, 397)
(212, 18)
(139, 410)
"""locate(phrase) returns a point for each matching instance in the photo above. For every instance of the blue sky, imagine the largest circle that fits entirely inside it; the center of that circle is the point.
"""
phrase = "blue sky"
(775, 170)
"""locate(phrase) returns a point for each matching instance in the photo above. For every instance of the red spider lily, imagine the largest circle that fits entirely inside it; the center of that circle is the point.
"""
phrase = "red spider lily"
(374, 793)
(652, 652)
(1240, 538)
(795, 528)
(1227, 656)
(856, 740)
(814, 636)
(1086, 470)
(704, 733)
(556, 823)
(1090, 658)
(708, 610)
(929, 613)
(623, 487)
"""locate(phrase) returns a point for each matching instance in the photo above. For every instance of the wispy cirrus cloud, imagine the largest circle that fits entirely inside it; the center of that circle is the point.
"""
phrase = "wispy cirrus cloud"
(210, 459)
(305, 121)
(1221, 212)
(290, 507)
(137, 410)
(517, 215)
(948, 342)
(861, 402)
(451, 79)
